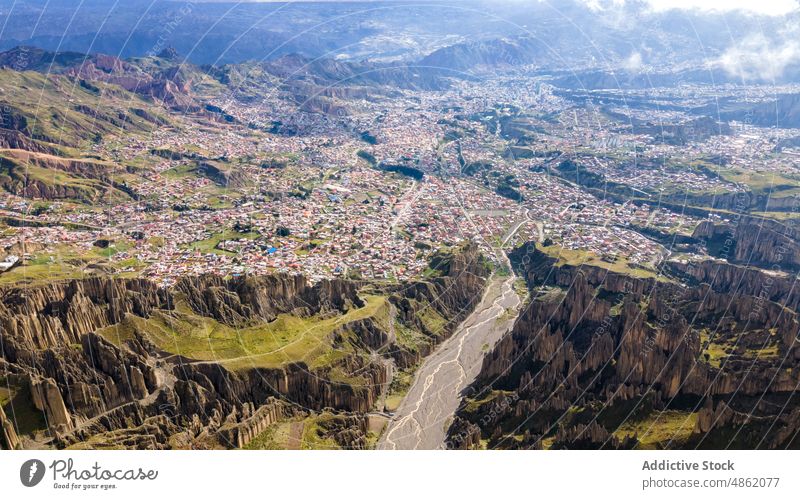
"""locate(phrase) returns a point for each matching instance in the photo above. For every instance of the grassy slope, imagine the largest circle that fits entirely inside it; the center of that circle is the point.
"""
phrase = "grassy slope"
(62, 112)
(577, 258)
(286, 339)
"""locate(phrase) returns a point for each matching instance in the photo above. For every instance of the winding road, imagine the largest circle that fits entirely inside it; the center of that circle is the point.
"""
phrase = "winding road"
(421, 420)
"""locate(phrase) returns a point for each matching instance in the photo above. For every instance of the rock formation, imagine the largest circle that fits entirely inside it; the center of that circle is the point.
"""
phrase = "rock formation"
(81, 349)
(752, 241)
(709, 340)
(8, 435)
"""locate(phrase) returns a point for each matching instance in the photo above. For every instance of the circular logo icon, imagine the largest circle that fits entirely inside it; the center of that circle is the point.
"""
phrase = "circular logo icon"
(31, 472)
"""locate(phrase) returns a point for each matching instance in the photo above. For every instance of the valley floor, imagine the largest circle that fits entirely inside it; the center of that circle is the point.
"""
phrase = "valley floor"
(422, 419)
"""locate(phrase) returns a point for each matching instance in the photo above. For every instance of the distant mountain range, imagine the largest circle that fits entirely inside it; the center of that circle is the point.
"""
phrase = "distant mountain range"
(447, 34)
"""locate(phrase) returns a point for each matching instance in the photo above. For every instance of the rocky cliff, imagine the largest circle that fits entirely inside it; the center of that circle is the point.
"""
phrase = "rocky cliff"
(8, 434)
(753, 241)
(107, 363)
(601, 360)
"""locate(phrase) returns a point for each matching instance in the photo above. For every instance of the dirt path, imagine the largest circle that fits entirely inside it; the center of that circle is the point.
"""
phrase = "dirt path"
(295, 440)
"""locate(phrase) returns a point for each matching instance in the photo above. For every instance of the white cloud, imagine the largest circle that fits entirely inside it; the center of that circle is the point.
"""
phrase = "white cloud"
(765, 7)
(757, 58)
(633, 63)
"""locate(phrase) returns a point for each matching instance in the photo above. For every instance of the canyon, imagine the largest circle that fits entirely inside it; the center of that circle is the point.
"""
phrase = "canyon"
(214, 362)
(421, 420)
(704, 355)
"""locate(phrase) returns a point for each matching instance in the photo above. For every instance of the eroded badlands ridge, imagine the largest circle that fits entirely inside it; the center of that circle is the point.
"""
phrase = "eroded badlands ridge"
(703, 355)
(213, 362)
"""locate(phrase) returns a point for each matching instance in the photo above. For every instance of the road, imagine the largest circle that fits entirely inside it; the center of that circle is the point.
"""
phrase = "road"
(421, 420)
(413, 193)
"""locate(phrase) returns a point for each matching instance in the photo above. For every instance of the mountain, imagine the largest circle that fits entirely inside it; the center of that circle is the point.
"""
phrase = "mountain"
(25, 58)
(487, 54)
(783, 111)
(36, 117)
(572, 31)
(170, 85)
(605, 360)
(117, 362)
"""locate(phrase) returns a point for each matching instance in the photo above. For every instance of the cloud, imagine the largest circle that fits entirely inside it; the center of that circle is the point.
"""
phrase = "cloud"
(633, 63)
(763, 7)
(757, 58)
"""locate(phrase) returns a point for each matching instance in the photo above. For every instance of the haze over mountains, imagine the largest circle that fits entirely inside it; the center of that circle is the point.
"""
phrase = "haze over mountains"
(559, 35)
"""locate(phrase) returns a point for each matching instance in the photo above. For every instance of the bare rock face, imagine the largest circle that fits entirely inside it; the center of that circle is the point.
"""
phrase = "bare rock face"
(759, 242)
(347, 430)
(222, 176)
(16, 139)
(582, 436)
(138, 386)
(47, 398)
(463, 435)
(240, 429)
(8, 435)
(746, 280)
(61, 313)
(242, 299)
(611, 347)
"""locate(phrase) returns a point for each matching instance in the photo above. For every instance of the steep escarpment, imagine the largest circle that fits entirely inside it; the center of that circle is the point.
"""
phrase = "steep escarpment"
(221, 174)
(8, 434)
(170, 86)
(233, 301)
(214, 362)
(607, 360)
(428, 311)
(722, 277)
(57, 314)
(753, 241)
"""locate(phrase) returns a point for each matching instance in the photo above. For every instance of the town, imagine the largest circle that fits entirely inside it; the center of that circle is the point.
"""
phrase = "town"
(334, 197)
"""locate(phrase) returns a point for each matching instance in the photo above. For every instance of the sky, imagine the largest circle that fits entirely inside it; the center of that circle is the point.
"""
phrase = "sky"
(768, 7)
(764, 7)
